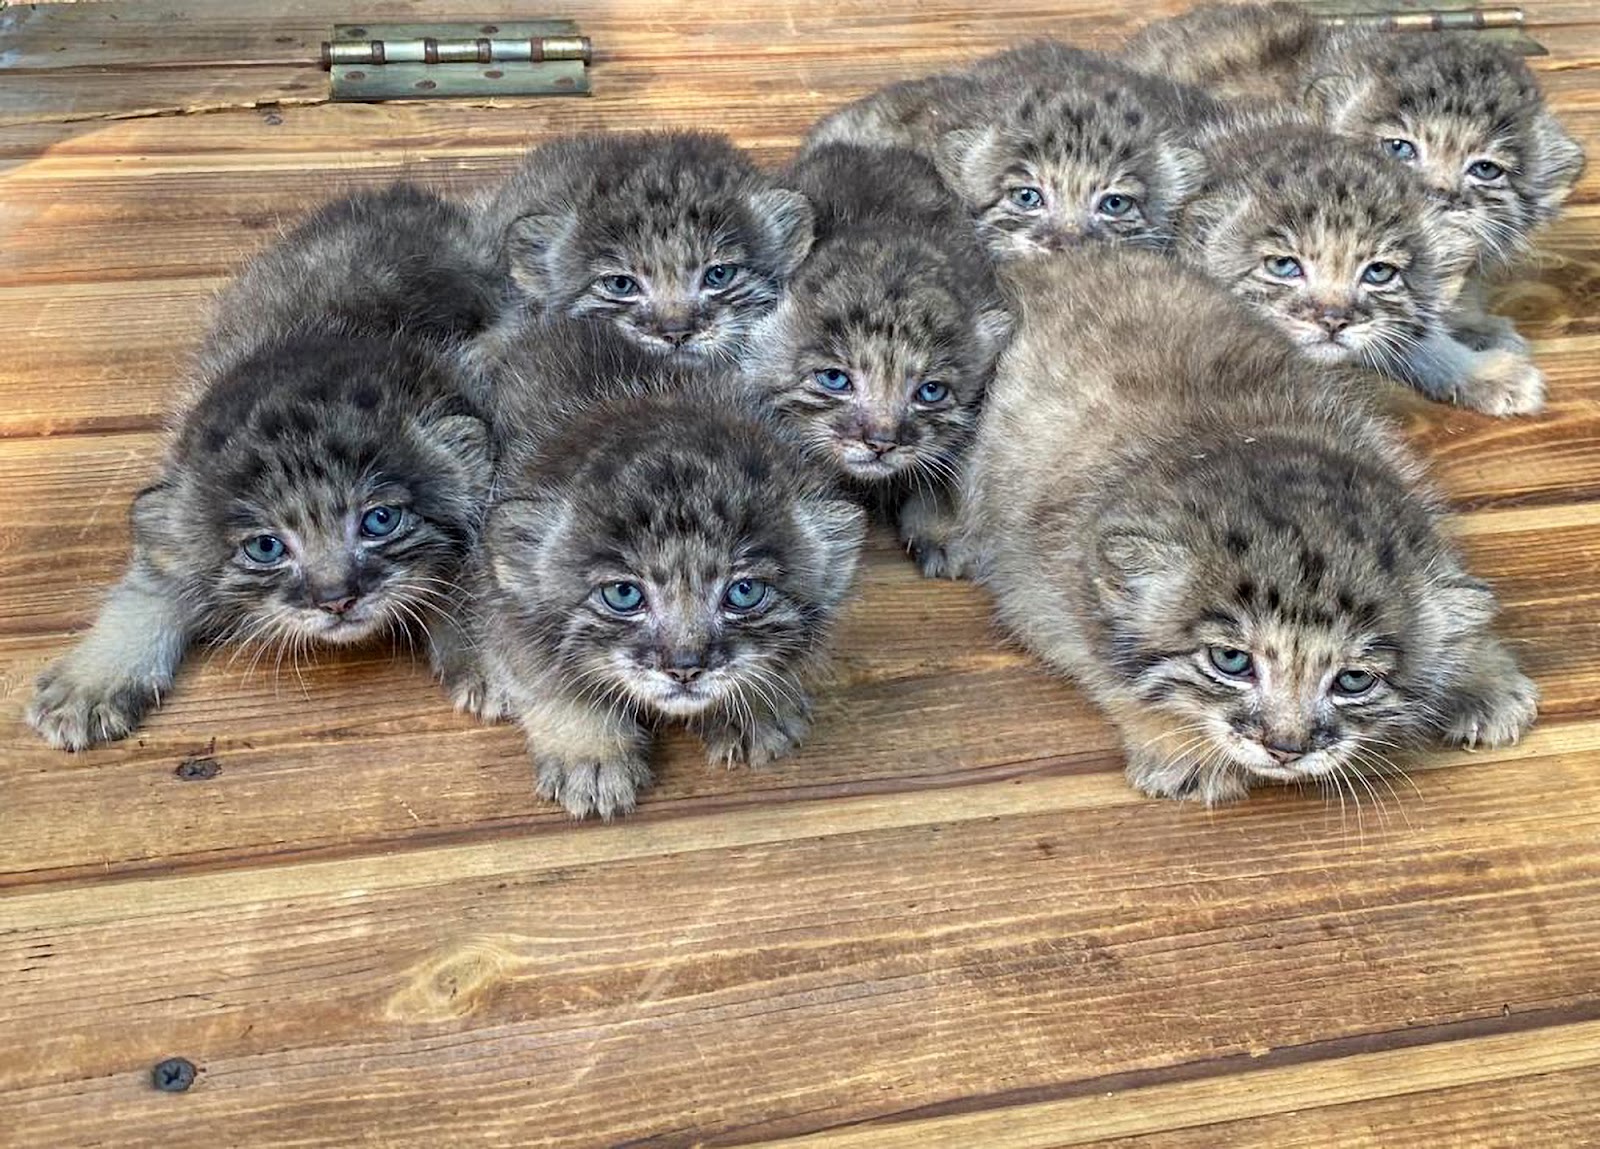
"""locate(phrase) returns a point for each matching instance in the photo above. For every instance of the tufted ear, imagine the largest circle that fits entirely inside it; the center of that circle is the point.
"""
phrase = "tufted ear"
(1184, 170)
(959, 156)
(789, 222)
(1557, 162)
(531, 245)
(836, 528)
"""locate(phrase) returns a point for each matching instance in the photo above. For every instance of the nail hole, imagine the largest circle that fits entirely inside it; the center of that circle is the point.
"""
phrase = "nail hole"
(357, 33)
(489, 29)
(426, 85)
(198, 769)
(565, 82)
(493, 74)
(355, 75)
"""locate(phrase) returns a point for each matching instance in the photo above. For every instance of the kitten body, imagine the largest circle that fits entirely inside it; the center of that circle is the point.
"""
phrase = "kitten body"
(1464, 113)
(1345, 252)
(657, 552)
(325, 484)
(1220, 542)
(1047, 146)
(880, 352)
(673, 237)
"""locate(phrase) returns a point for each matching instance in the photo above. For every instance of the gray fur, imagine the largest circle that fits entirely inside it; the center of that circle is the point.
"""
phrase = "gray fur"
(659, 209)
(326, 391)
(1159, 473)
(621, 468)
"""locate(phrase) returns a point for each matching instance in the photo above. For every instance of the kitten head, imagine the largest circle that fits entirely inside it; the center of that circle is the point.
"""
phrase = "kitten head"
(1301, 617)
(674, 238)
(1332, 244)
(670, 556)
(1054, 165)
(325, 489)
(1468, 118)
(880, 353)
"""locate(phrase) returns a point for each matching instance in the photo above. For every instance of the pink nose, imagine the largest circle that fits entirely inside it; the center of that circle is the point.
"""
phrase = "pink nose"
(1284, 754)
(337, 606)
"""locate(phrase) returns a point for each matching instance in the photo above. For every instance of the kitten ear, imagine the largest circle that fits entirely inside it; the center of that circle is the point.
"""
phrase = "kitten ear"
(1334, 96)
(1138, 563)
(465, 440)
(516, 535)
(836, 528)
(1184, 170)
(1460, 604)
(957, 153)
(1558, 162)
(152, 514)
(1455, 252)
(993, 332)
(789, 222)
(530, 242)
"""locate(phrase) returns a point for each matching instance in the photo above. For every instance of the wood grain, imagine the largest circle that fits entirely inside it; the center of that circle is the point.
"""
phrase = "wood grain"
(946, 922)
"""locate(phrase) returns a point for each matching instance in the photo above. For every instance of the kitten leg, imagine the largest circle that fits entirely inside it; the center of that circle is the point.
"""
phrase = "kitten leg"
(1481, 331)
(759, 734)
(98, 691)
(1495, 705)
(1496, 382)
(1167, 759)
(589, 759)
(453, 655)
(929, 525)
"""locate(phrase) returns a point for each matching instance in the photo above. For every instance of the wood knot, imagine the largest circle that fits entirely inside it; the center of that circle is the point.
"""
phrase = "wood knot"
(453, 984)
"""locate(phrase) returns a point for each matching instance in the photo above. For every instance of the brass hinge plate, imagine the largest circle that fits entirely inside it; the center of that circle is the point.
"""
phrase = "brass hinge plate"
(1503, 25)
(371, 62)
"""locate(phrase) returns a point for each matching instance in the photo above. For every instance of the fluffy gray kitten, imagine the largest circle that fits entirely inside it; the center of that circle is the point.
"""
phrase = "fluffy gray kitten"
(880, 352)
(1346, 253)
(656, 552)
(1216, 538)
(1464, 113)
(673, 237)
(1046, 145)
(327, 481)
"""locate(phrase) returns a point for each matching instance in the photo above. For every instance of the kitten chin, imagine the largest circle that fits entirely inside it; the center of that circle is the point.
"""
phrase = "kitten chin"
(657, 552)
(326, 483)
(878, 356)
(1221, 542)
(1345, 253)
(1047, 146)
(674, 238)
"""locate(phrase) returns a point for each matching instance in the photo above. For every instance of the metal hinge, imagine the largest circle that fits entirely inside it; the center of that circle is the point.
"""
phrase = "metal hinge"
(431, 61)
(1503, 25)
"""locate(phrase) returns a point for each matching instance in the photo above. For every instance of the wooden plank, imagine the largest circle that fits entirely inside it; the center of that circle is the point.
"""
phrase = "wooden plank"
(1011, 939)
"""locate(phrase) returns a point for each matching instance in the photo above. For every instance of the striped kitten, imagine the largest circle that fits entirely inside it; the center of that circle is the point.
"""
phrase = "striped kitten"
(1219, 541)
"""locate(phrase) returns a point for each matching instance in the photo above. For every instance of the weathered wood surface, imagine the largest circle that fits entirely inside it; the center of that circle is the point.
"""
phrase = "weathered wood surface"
(946, 923)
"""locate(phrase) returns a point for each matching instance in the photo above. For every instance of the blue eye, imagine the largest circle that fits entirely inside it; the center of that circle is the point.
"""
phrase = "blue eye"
(932, 392)
(1233, 663)
(621, 286)
(1027, 198)
(622, 597)
(832, 379)
(1486, 170)
(1283, 267)
(1401, 149)
(719, 275)
(746, 594)
(1378, 274)
(1115, 204)
(265, 549)
(1354, 683)
(380, 522)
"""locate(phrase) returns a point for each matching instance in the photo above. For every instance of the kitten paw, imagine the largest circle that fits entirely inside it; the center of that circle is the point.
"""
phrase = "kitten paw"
(1504, 383)
(1491, 333)
(940, 559)
(1496, 716)
(71, 713)
(471, 694)
(584, 788)
(771, 737)
(1159, 778)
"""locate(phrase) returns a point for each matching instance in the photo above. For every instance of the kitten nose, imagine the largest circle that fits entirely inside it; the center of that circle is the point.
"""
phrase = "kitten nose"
(1333, 322)
(880, 441)
(675, 331)
(685, 666)
(336, 606)
(1284, 754)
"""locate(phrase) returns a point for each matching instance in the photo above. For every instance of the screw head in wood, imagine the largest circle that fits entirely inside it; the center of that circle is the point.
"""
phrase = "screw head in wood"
(174, 1075)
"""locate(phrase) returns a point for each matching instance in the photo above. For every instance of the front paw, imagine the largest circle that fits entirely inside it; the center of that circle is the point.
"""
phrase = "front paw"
(584, 788)
(1504, 383)
(1495, 714)
(471, 693)
(1491, 333)
(74, 711)
(940, 558)
(1178, 780)
(768, 738)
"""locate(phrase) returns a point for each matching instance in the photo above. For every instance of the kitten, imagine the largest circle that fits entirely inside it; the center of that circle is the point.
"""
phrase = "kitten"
(1466, 114)
(1047, 146)
(1344, 251)
(673, 237)
(1219, 541)
(325, 484)
(655, 553)
(880, 352)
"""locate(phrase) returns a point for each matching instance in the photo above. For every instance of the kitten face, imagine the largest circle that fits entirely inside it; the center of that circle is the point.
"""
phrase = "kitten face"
(687, 563)
(1301, 627)
(1468, 118)
(878, 359)
(675, 239)
(1330, 243)
(1059, 167)
(328, 507)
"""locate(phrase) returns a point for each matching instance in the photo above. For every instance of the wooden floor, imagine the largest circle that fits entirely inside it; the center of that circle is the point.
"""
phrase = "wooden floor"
(946, 923)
